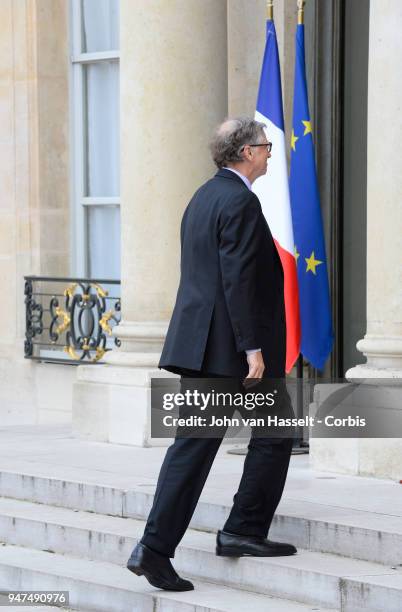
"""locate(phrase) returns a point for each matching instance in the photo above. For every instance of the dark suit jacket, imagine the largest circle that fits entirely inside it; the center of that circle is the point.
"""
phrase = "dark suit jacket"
(230, 296)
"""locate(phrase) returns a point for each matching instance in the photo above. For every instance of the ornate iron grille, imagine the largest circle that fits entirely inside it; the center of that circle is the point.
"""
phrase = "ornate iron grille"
(70, 320)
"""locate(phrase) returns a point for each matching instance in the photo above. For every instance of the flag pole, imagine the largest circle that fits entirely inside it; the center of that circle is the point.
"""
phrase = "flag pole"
(270, 10)
(300, 11)
(299, 443)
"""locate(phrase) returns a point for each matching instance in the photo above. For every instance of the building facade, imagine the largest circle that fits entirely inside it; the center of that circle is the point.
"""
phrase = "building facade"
(107, 109)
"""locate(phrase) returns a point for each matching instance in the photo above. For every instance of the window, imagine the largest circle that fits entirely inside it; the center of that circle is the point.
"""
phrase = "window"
(95, 138)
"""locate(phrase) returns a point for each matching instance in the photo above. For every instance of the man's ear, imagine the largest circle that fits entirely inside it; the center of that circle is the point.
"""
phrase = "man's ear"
(247, 153)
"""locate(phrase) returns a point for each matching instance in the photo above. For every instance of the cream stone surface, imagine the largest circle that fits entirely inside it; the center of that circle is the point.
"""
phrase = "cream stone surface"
(336, 455)
(378, 457)
(140, 337)
(90, 418)
(6, 40)
(53, 392)
(246, 40)
(381, 458)
(53, 131)
(382, 344)
(34, 184)
(173, 92)
(112, 404)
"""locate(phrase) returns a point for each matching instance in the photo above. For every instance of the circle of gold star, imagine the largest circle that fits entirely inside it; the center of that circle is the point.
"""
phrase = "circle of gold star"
(312, 263)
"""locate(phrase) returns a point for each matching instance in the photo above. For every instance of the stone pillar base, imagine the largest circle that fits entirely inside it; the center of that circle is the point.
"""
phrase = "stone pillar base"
(378, 457)
(384, 358)
(113, 403)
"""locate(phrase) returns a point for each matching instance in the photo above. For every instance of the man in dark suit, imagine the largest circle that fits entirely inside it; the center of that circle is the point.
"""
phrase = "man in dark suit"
(228, 321)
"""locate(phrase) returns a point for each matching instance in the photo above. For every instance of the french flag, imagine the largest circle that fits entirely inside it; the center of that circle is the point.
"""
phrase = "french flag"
(272, 189)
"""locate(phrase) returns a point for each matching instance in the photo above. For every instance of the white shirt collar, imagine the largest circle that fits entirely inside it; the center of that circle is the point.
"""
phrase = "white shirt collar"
(243, 178)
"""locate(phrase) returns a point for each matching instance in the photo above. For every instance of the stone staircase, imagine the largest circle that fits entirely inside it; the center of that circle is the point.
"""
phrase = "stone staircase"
(76, 535)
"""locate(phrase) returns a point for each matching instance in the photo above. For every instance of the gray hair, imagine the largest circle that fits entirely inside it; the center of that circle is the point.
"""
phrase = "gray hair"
(231, 136)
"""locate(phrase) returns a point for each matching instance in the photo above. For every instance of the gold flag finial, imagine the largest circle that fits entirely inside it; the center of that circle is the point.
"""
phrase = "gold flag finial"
(300, 11)
(270, 10)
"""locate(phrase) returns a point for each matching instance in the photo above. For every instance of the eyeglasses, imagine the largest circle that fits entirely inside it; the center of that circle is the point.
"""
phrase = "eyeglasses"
(263, 144)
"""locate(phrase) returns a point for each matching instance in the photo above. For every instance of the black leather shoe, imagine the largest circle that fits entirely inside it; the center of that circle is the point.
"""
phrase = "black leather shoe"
(234, 545)
(157, 569)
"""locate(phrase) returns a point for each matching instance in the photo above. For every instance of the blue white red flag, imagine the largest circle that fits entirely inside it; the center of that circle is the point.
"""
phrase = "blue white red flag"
(272, 189)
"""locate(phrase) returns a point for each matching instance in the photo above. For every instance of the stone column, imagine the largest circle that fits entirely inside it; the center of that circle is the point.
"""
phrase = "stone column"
(173, 92)
(34, 186)
(382, 344)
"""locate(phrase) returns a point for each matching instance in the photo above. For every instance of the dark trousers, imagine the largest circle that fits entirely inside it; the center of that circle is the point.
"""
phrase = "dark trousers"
(182, 477)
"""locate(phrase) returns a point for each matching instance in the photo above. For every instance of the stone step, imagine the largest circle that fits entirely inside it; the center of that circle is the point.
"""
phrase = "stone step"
(309, 577)
(4, 601)
(105, 587)
(369, 536)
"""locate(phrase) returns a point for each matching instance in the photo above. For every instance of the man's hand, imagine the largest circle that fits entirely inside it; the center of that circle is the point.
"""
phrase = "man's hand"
(256, 369)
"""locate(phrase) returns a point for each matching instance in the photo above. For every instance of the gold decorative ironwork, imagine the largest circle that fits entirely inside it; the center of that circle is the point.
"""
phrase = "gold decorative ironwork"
(79, 311)
(71, 352)
(99, 352)
(100, 290)
(85, 346)
(66, 320)
(104, 322)
(70, 290)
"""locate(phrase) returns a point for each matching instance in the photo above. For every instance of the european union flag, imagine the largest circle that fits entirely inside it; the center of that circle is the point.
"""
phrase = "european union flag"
(317, 335)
